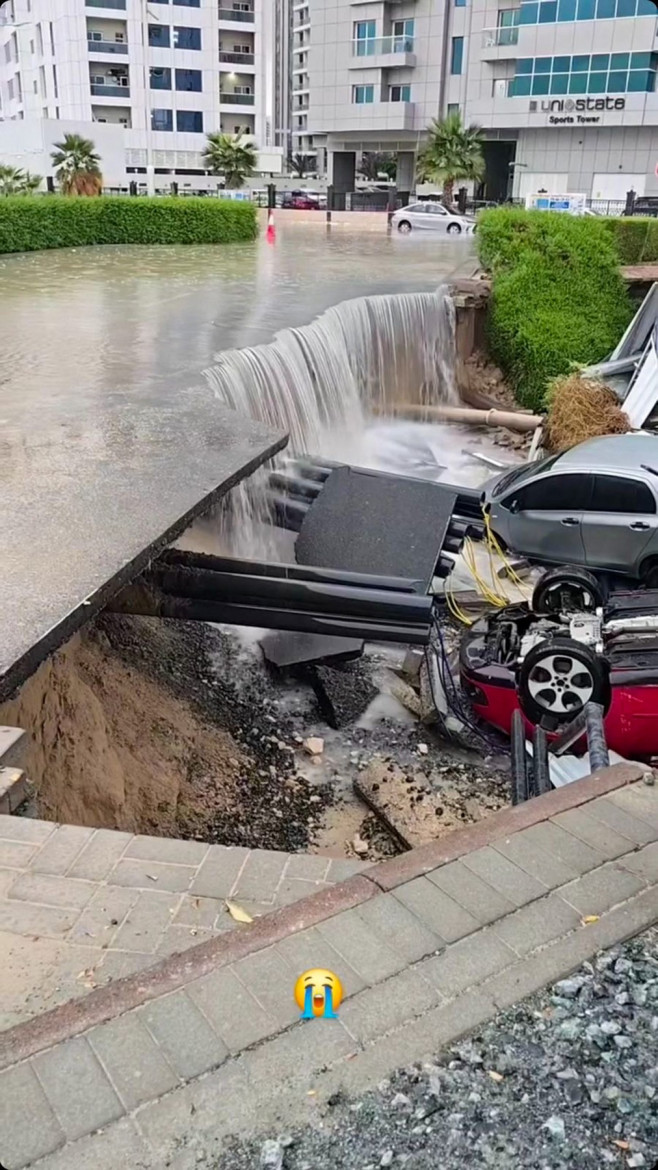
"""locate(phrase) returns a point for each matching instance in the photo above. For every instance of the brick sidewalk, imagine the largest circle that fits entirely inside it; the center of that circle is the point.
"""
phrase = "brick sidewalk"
(80, 907)
(428, 946)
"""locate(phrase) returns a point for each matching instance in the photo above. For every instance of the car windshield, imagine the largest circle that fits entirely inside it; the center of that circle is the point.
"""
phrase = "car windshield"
(525, 471)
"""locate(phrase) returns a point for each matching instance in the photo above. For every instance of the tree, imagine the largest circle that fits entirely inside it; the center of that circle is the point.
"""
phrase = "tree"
(231, 156)
(78, 171)
(376, 162)
(453, 152)
(16, 182)
(300, 164)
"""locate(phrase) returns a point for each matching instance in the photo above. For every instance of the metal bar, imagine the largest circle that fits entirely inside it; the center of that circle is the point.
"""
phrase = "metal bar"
(150, 603)
(572, 732)
(541, 776)
(519, 760)
(306, 596)
(187, 559)
(286, 513)
(294, 485)
(597, 747)
(309, 470)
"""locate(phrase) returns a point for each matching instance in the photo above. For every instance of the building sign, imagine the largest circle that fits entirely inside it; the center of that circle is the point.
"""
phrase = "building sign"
(576, 111)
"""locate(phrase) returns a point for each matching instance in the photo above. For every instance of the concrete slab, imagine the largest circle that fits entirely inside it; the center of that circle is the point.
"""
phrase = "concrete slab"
(88, 501)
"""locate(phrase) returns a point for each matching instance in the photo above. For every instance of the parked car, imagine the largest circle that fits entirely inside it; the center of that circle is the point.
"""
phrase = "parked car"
(595, 505)
(301, 200)
(430, 216)
(646, 205)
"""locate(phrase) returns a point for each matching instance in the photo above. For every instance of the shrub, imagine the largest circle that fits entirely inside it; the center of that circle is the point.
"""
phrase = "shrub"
(31, 223)
(558, 299)
(635, 238)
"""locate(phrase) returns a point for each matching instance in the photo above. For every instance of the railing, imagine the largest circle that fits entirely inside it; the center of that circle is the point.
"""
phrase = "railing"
(237, 58)
(106, 4)
(503, 35)
(106, 46)
(237, 99)
(375, 46)
(235, 14)
(110, 90)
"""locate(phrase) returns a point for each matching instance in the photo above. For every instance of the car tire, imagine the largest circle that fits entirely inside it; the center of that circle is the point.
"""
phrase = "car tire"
(404, 227)
(558, 677)
(649, 573)
(454, 229)
(567, 589)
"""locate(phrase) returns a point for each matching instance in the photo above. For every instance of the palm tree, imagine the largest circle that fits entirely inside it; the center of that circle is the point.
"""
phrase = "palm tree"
(231, 156)
(453, 152)
(78, 171)
(16, 182)
(376, 162)
(301, 163)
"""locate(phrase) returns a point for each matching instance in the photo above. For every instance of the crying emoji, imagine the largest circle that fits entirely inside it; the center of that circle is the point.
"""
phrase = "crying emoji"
(318, 993)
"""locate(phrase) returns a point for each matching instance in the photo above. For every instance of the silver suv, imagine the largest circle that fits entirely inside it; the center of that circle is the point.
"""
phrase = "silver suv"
(595, 505)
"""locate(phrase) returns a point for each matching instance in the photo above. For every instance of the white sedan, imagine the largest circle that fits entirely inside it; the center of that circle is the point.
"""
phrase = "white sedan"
(430, 217)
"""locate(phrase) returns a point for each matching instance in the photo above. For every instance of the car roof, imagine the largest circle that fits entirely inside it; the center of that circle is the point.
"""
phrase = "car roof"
(611, 452)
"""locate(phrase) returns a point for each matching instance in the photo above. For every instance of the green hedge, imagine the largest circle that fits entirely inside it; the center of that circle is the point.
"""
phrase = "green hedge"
(31, 223)
(635, 238)
(558, 298)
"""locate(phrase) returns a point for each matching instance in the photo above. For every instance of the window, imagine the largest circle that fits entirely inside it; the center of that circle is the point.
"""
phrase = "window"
(508, 31)
(94, 36)
(453, 108)
(39, 40)
(160, 78)
(242, 89)
(549, 11)
(119, 38)
(159, 36)
(457, 55)
(187, 3)
(10, 90)
(189, 79)
(403, 36)
(162, 120)
(399, 93)
(362, 94)
(460, 3)
(42, 80)
(558, 493)
(612, 493)
(158, 1)
(190, 121)
(52, 38)
(365, 32)
(499, 87)
(55, 86)
(602, 73)
(187, 38)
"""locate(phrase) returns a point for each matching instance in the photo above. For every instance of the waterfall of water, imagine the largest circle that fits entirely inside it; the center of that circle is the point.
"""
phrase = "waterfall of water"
(317, 381)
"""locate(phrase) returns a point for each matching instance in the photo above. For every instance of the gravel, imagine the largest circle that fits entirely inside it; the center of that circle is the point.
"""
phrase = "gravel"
(568, 1080)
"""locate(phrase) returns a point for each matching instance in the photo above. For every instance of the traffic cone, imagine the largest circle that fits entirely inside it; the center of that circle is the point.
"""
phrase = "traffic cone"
(271, 230)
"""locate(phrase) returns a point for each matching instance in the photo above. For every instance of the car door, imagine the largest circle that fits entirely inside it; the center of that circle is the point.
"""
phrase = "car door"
(437, 217)
(619, 523)
(546, 515)
(417, 216)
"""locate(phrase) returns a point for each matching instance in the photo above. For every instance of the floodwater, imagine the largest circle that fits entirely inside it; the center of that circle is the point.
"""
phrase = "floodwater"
(83, 330)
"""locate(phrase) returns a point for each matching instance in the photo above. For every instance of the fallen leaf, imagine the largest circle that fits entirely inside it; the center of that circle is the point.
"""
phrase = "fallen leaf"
(621, 1145)
(495, 1076)
(589, 919)
(237, 912)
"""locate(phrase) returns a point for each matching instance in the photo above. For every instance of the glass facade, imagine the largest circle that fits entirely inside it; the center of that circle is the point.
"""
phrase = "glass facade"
(596, 74)
(188, 79)
(189, 121)
(550, 11)
(457, 55)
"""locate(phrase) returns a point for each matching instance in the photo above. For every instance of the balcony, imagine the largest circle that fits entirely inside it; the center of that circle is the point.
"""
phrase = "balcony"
(383, 53)
(236, 58)
(500, 42)
(109, 90)
(372, 117)
(236, 99)
(113, 4)
(96, 46)
(235, 16)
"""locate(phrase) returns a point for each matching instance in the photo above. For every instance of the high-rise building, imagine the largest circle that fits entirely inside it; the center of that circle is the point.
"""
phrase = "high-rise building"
(161, 74)
(564, 90)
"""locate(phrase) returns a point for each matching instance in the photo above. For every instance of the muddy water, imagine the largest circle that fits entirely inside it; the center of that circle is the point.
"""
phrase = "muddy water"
(82, 329)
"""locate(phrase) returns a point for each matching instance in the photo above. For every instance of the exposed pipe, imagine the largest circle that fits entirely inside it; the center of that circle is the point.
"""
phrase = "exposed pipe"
(187, 559)
(513, 420)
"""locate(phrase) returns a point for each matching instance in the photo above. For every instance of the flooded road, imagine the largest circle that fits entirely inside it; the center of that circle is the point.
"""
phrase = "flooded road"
(84, 330)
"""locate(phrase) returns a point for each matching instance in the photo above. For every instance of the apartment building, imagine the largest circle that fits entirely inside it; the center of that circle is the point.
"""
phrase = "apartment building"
(565, 90)
(160, 73)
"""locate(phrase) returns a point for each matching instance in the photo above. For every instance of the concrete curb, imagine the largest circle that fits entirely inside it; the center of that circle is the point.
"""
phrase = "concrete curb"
(107, 1003)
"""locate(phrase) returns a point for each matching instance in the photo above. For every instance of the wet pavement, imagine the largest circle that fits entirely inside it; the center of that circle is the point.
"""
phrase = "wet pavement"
(109, 438)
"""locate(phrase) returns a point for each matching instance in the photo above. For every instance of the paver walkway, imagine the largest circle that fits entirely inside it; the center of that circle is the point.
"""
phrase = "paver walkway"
(80, 907)
(428, 946)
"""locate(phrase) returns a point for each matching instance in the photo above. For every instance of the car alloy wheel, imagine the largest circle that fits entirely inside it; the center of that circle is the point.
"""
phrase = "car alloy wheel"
(404, 227)
(454, 229)
(558, 677)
